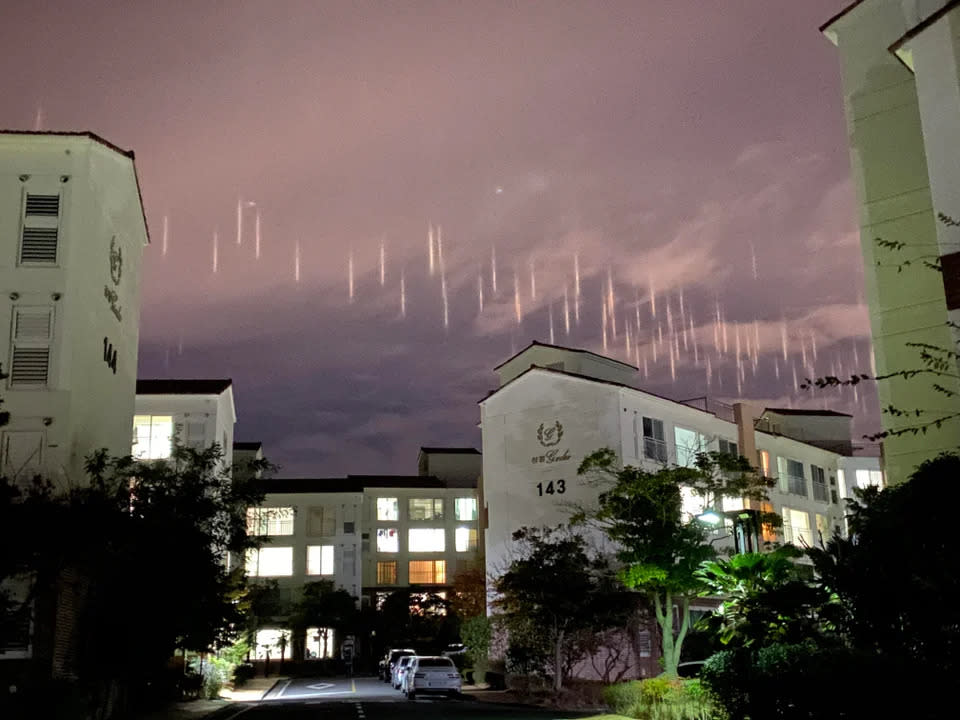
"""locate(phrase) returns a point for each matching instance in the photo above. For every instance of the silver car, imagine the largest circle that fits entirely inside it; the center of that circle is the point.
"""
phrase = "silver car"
(399, 669)
(431, 674)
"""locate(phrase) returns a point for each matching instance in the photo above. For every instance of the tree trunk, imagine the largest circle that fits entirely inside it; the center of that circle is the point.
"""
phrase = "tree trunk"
(558, 662)
(671, 645)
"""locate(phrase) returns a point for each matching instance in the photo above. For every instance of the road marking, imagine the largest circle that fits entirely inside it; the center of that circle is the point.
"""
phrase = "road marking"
(280, 691)
(320, 686)
(353, 685)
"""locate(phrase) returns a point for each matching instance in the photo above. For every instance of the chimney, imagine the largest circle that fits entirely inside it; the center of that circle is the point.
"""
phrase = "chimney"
(744, 416)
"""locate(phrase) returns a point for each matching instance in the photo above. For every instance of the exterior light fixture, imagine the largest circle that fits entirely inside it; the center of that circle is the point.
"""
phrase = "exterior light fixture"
(710, 517)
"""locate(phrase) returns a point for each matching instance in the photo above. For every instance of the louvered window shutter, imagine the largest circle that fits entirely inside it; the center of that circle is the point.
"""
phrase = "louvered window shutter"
(40, 238)
(32, 335)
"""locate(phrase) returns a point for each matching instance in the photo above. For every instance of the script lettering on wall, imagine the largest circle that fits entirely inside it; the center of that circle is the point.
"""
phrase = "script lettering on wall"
(109, 355)
(116, 274)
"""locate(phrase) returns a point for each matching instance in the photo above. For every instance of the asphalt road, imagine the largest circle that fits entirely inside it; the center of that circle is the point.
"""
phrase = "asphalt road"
(369, 699)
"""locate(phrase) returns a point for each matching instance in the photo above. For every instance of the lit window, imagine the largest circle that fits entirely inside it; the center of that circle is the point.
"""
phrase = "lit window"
(428, 572)
(688, 443)
(796, 527)
(386, 572)
(691, 504)
(270, 521)
(319, 643)
(267, 642)
(322, 521)
(465, 539)
(426, 540)
(152, 437)
(866, 478)
(654, 443)
(465, 508)
(388, 540)
(823, 528)
(426, 509)
(270, 562)
(388, 509)
(765, 463)
(319, 559)
(792, 479)
(768, 532)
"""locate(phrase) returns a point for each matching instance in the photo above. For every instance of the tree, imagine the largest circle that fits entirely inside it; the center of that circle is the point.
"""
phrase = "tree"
(551, 592)
(661, 549)
(322, 606)
(469, 596)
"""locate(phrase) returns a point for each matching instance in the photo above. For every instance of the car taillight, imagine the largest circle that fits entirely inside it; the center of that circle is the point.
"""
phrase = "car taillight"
(453, 676)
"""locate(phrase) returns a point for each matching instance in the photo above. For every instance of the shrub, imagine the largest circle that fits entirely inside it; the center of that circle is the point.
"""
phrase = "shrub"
(662, 698)
(242, 674)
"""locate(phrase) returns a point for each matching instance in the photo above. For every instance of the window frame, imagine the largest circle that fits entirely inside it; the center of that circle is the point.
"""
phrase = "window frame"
(474, 510)
(151, 437)
(438, 572)
(396, 535)
(396, 510)
(421, 534)
(387, 565)
(472, 538)
(654, 448)
(434, 504)
(261, 520)
(266, 550)
(327, 554)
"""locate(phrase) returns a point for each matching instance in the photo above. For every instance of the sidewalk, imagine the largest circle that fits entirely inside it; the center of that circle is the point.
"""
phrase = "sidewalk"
(253, 689)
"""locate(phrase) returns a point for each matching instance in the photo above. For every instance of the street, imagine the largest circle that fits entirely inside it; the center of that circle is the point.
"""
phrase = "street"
(369, 699)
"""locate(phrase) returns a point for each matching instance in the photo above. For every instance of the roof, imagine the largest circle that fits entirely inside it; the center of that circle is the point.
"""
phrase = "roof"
(350, 483)
(840, 15)
(919, 28)
(182, 387)
(801, 411)
(449, 451)
(256, 445)
(536, 343)
(102, 141)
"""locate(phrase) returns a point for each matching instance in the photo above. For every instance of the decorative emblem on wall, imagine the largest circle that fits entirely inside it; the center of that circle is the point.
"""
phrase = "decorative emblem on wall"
(116, 261)
(550, 436)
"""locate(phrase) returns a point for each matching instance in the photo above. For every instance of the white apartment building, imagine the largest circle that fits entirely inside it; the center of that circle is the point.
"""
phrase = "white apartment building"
(195, 413)
(900, 66)
(556, 405)
(369, 534)
(72, 231)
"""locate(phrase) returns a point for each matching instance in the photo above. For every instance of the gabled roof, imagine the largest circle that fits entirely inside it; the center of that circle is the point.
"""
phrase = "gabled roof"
(449, 451)
(801, 411)
(257, 445)
(102, 141)
(536, 343)
(182, 387)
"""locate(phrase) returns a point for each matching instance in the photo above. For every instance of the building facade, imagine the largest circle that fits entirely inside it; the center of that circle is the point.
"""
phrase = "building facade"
(899, 65)
(72, 232)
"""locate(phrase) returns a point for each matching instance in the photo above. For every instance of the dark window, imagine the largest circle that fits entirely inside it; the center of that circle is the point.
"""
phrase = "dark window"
(654, 444)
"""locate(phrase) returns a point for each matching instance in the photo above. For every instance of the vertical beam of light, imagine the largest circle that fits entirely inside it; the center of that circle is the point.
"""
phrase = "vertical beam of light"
(440, 247)
(673, 359)
(480, 293)
(383, 263)
(38, 118)
(216, 252)
(776, 367)
(296, 262)
(493, 269)
(803, 352)
(430, 262)
(654, 346)
(753, 260)
(693, 339)
(576, 287)
(813, 342)
(709, 372)
(516, 296)
(612, 310)
(783, 338)
(166, 235)
(723, 326)
(856, 358)
(256, 229)
(443, 295)
(239, 221)
(653, 296)
(756, 341)
(636, 308)
(627, 344)
(566, 311)
(350, 275)
(603, 323)
(646, 370)
(533, 280)
(403, 293)
(796, 385)
(553, 340)
(716, 324)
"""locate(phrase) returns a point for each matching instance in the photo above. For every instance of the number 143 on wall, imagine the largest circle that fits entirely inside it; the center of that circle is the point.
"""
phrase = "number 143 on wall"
(558, 487)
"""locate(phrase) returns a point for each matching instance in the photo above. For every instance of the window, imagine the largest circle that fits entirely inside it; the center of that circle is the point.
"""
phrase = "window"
(319, 643)
(796, 527)
(152, 437)
(819, 482)
(728, 447)
(386, 572)
(270, 562)
(654, 445)
(792, 479)
(824, 532)
(40, 229)
(32, 334)
(349, 527)
(465, 508)
(866, 478)
(270, 521)
(426, 509)
(428, 572)
(768, 533)
(426, 540)
(644, 643)
(319, 559)
(388, 509)
(764, 462)
(688, 443)
(465, 539)
(349, 560)
(388, 540)
(322, 521)
(22, 455)
(691, 504)
(196, 434)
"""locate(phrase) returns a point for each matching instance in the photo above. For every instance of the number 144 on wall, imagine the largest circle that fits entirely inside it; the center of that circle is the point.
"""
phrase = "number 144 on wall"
(558, 487)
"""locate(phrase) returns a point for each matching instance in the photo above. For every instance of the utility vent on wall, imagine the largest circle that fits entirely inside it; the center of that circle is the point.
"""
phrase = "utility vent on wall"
(42, 205)
(41, 229)
(30, 366)
(32, 333)
(39, 245)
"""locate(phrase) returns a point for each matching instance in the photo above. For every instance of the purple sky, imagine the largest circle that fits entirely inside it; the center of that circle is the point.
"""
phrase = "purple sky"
(659, 143)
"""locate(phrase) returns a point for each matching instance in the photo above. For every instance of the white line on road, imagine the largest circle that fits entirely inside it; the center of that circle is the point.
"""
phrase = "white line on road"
(286, 685)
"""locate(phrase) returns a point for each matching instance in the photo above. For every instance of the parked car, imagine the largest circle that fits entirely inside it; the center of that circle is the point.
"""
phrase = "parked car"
(390, 660)
(400, 669)
(690, 669)
(431, 674)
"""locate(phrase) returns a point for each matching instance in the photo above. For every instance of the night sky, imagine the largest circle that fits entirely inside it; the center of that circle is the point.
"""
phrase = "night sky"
(695, 148)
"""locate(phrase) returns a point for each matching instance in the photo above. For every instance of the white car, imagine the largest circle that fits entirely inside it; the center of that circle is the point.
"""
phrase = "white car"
(431, 674)
(399, 670)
